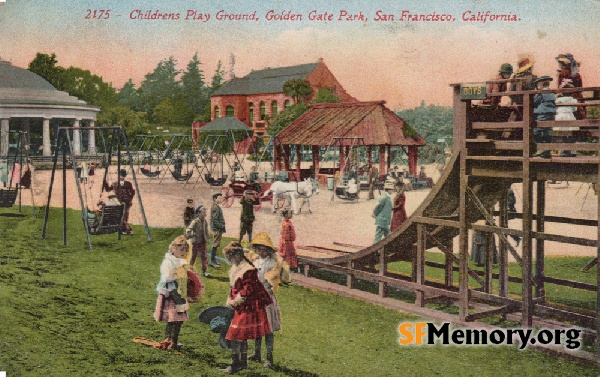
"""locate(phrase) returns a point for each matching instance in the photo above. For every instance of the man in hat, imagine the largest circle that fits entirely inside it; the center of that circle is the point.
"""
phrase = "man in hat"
(373, 180)
(248, 202)
(544, 108)
(197, 232)
(217, 225)
(383, 212)
(503, 74)
(125, 193)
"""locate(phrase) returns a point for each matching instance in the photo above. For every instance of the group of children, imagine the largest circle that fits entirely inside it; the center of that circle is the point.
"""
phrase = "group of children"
(254, 277)
(547, 106)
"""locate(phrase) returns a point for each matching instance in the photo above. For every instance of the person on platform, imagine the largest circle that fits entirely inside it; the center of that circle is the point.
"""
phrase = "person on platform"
(249, 299)
(125, 193)
(544, 108)
(383, 212)
(569, 72)
(398, 208)
(504, 73)
(525, 74)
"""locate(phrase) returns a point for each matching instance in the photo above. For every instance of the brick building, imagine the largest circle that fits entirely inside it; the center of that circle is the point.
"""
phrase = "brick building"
(259, 94)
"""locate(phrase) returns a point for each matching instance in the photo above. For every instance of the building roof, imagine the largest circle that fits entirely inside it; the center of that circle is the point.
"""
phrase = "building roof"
(18, 78)
(20, 87)
(265, 81)
(225, 124)
(371, 121)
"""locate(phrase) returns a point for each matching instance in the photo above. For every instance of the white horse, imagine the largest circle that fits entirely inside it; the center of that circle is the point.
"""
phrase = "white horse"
(294, 190)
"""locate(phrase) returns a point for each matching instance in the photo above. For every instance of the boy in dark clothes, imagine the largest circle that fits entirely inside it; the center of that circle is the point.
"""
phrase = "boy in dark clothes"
(248, 202)
(217, 225)
(188, 212)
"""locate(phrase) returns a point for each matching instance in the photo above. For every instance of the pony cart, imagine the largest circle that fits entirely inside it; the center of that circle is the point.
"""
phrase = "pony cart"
(236, 189)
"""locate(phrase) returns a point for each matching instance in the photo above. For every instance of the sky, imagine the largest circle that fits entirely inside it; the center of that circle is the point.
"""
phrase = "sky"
(401, 61)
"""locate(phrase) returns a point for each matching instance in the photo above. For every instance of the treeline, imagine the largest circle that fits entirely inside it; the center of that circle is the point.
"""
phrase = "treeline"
(433, 123)
(167, 97)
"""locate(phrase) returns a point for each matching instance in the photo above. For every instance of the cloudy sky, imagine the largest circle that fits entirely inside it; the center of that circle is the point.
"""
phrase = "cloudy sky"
(401, 61)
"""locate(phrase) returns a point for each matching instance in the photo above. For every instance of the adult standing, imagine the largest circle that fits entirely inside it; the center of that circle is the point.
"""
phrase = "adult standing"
(398, 209)
(249, 298)
(217, 225)
(383, 212)
(125, 194)
(373, 180)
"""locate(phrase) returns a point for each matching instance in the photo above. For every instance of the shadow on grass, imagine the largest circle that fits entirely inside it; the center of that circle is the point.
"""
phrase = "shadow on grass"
(12, 215)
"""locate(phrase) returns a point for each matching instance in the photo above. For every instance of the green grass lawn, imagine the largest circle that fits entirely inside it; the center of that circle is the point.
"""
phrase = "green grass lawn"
(69, 311)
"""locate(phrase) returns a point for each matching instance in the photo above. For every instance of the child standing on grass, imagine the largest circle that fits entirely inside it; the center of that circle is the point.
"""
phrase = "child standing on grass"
(171, 307)
(269, 266)
(197, 232)
(249, 298)
(287, 248)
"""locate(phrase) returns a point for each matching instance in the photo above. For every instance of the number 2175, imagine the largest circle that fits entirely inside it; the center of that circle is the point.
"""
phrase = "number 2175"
(98, 14)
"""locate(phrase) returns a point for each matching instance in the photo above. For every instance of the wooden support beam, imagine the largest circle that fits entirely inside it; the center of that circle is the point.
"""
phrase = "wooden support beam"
(510, 308)
(349, 276)
(490, 220)
(449, 254)
(527, 200)
(503, 249)
(597, 319)
(382, 272)
(540, 292)
(461, 128)
(420, 262)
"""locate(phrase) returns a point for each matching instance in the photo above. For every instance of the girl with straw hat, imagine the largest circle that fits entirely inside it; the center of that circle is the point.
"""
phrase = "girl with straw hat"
(269, 266)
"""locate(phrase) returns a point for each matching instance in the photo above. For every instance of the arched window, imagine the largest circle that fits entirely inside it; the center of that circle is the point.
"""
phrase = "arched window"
(251, 111)
(229, 111)
(263, 110)
(273, 109)
(217, 112)
(286, 104)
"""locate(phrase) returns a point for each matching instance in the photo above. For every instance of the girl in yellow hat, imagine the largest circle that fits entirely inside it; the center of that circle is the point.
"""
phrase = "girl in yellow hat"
(269, 266)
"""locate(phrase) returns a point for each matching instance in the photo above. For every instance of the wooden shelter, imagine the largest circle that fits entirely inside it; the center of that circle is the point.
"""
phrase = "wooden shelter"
(372, 122)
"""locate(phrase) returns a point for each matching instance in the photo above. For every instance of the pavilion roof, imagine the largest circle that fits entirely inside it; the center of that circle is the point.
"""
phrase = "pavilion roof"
(371, 121)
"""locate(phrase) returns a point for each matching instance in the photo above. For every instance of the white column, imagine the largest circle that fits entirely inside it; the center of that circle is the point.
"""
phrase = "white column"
(47, 144)
(77, 138)
(91, 138)
(4, 129)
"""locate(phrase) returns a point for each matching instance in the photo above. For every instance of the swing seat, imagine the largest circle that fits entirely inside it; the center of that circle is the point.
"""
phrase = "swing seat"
(149, 173)
(8, 197)
(181, 177)
(111, 220)
(215, 182)
(341, 192)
